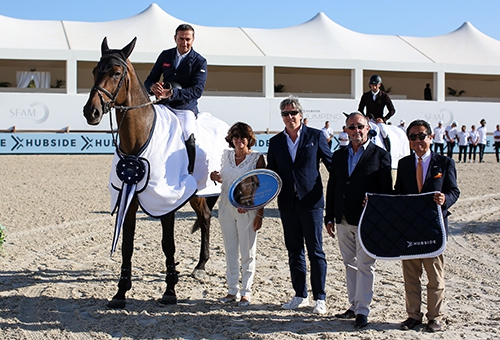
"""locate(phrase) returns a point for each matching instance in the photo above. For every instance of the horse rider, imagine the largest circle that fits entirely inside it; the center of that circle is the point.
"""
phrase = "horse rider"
(375, 100)
(184, 77)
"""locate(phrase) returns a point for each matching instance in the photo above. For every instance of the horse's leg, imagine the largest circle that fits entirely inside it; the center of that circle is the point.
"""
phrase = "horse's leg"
(168, 246)
(203, 208)
(125, 282)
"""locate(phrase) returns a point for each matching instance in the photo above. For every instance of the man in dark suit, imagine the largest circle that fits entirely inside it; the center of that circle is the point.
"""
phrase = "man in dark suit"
(184, 66)
(360, 168)
(426, 171)
(295, 155)
(376, 100)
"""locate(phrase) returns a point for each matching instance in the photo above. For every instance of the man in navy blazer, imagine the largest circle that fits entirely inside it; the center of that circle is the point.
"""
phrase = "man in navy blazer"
(438, 175)
(295, 155)
(359, 168)
(180, 65)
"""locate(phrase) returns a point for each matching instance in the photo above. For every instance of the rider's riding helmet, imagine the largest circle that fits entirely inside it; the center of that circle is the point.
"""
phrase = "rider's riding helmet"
(375, 79)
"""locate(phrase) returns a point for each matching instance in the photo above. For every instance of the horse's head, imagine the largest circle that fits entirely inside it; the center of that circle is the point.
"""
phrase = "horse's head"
(109, 76)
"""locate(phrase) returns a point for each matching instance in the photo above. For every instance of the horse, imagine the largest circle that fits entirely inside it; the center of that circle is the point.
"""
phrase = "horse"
(117, 86)
(392, 139)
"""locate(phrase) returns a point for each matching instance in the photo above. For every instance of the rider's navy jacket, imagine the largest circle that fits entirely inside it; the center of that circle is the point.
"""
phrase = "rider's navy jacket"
(376, 107)
(191, 74)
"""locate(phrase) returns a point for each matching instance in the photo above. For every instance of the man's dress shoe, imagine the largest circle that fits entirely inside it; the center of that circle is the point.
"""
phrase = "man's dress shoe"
(348, 314)
(409, 323)
(361, 321)
(433, 326)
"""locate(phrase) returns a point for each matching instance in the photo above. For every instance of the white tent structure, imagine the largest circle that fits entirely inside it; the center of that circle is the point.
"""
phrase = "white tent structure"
(323, 63)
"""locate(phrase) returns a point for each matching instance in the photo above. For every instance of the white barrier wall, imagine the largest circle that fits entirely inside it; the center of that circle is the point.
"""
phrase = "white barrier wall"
(49, 112)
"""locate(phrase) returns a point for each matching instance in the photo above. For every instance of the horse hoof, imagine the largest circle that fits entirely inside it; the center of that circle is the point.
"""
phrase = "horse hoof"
(116, 303)
(199, 274)
(168, 300)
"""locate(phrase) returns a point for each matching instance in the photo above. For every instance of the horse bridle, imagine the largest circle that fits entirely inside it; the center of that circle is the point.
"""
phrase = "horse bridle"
(107, 106)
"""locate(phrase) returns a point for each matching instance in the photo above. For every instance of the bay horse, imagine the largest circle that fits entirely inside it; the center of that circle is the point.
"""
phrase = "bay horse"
(116, 85)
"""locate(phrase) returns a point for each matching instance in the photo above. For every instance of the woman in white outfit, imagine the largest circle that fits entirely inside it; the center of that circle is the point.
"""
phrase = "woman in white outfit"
(239, 227)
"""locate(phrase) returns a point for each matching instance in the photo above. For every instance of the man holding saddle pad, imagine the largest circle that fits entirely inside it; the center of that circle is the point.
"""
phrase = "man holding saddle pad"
(426, 171)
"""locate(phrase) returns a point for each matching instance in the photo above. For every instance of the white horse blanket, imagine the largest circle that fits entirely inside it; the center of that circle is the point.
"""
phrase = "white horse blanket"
(167, 184)
(400, 146)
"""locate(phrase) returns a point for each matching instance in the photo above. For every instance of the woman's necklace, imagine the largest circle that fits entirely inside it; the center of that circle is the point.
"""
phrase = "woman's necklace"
(240, 157)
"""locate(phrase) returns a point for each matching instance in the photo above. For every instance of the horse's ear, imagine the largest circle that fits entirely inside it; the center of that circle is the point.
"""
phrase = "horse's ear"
(104, 45)
(127, 50)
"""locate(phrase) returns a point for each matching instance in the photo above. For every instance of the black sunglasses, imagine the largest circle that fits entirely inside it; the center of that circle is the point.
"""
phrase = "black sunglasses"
(354, 127)
(286, 113)
(420, 136)
(236, 136)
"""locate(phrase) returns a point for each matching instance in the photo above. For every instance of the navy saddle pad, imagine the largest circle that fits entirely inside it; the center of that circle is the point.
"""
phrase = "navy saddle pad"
(394, 227)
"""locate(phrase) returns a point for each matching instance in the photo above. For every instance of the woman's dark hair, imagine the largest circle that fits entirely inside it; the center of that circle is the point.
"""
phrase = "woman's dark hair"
(242, 129)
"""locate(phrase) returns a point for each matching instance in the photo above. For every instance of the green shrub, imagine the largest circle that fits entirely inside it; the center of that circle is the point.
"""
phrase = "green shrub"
(2, 237)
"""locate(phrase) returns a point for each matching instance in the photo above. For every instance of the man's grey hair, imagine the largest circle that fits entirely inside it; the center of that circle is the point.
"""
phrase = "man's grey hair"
(356, 113)
(293, 101)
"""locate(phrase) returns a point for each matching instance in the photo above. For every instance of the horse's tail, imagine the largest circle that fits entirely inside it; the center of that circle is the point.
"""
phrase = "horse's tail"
(202, 205)
(196, 226)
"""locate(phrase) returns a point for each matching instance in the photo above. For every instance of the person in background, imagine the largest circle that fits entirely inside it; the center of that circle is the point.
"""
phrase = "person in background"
(427, 92)
(402, 125)
(496, 139)
(294, 154)
(305, 121)
(438, 136)
(239, 227)
(482, 139)
(328, 133)
(451, 136)
(360, 168)
(376, 100)
(473, 140)
(463, 139)
(439, 176)
(343, 138)
(180, 65)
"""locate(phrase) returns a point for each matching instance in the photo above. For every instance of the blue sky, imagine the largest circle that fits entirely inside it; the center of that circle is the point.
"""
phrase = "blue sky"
(421, 18)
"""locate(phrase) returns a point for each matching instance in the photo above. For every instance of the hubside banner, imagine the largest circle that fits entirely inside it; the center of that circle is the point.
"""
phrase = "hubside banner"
(102, 143)
(75, 143)
(56, 143)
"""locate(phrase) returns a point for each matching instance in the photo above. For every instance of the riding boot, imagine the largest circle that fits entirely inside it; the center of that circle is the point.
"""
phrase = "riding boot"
(387, 143)
(191, 151)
